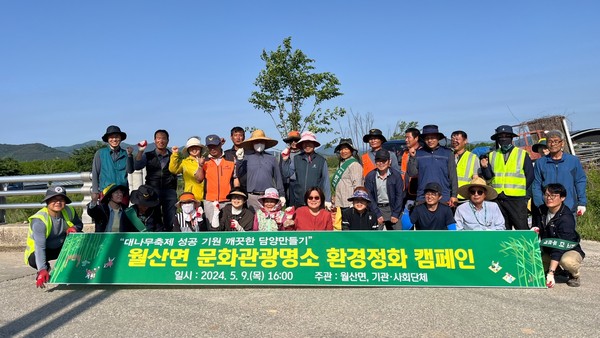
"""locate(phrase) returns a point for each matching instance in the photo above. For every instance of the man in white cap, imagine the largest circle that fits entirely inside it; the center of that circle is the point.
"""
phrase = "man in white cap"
(309, 168)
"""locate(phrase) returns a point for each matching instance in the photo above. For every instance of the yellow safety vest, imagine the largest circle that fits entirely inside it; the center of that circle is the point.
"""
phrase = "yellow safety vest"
(67, 213)
(510, 176)
(465, 169)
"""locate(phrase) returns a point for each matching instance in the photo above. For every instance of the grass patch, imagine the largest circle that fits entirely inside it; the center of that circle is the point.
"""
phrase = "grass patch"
(21, 215)
(588, 225)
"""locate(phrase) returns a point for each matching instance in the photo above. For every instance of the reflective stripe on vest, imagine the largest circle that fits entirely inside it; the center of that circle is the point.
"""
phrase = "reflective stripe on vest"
(510, 176)
(465, 169)
(67, 213)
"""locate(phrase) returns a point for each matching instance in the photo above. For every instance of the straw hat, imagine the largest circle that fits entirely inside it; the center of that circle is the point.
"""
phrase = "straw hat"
(490, 193)
(259, 136)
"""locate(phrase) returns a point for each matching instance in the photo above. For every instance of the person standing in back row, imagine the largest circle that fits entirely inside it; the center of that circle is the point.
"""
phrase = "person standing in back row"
(434, 163)
(510, 171)
(375, 139)
(111, 164)
(158, 175)
(309, 168)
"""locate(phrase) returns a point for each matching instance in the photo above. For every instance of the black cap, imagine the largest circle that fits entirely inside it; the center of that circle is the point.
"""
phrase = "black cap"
(374, 133)
(382, 155)
(433, 186)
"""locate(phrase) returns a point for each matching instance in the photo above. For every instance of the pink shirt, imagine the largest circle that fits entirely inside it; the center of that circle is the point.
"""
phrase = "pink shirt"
(306, 221)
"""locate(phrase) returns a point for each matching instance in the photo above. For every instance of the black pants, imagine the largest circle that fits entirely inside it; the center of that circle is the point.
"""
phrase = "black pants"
(514, 212)
(51, 254)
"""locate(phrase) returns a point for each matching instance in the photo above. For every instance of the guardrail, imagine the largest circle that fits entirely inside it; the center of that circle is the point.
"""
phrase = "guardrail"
(75, 183)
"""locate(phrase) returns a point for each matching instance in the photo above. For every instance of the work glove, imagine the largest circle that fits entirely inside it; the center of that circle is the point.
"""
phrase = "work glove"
(285, 154)
(550, 280)
(580, 210)
(239, 154)
(282, 201)
(71, 230)
(42, 278)
(328, 206)
(142, 145)
(536, 229)
(236, 225)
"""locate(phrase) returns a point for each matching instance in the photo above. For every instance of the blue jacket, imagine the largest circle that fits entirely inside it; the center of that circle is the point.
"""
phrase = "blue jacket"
(568, 172)
(395, 191)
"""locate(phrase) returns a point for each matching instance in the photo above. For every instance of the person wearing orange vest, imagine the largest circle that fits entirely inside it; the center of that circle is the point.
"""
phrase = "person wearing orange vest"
(48, 228)
(217, 174)
(375, 139)
(509, 170)
(467, 163)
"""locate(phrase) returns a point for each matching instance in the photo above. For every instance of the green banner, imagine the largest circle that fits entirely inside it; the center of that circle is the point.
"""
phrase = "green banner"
(348, 258)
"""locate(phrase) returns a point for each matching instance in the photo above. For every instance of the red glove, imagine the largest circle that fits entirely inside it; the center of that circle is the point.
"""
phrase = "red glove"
(42, 277)
(71, 230)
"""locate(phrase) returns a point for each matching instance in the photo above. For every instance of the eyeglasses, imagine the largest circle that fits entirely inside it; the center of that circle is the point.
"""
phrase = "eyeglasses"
(552, 142)
(476, 192)
(310, 198)
(551, 196)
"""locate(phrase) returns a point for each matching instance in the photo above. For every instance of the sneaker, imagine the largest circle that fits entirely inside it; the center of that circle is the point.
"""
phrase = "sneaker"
(574, 282)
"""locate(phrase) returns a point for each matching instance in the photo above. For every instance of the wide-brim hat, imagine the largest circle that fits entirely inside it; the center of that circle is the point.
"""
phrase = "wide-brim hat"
(192, 142)
(56, 190)
(145, 195)
(259, 136)
(344, 142)
(270, 193)
(236, 192)
(432, 129)
(113, 130)
(503, 129)
(541, 143)
(186, 197)
(308, 136)
(107, 192)
(359, 194)
(293, 135)
(490, 193)
(374, 133)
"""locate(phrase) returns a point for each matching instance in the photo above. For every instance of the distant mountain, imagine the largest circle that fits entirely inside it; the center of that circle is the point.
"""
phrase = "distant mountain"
(70, 149)
(30, 152)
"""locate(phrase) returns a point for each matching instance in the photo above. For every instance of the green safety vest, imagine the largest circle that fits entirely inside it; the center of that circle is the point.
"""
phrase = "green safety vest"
(465, 169)
(67, 213)
(510, 176)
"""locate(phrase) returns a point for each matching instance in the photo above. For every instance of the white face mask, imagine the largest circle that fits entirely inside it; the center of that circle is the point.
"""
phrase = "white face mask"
(187, 208)
(259, 147)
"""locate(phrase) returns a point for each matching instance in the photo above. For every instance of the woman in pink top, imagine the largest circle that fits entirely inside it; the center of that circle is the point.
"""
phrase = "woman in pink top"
(313, 216)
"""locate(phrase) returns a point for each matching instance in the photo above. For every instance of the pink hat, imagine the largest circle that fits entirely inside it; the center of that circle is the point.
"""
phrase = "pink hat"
(308, 136)
(271, 193)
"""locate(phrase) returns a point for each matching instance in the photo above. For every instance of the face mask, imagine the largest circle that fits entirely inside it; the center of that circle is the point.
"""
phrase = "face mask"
(187, 208)
(259, 147)
(504, 141)
(506, 147)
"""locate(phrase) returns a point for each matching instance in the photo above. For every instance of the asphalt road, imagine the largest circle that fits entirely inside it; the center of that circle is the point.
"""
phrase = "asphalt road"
(91, 311)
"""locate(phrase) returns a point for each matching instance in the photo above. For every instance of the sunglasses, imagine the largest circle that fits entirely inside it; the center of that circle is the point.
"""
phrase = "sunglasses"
(476, 192)
(310, 198)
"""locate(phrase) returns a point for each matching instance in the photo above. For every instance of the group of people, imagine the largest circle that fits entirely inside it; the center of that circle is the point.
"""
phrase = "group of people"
(246, 188)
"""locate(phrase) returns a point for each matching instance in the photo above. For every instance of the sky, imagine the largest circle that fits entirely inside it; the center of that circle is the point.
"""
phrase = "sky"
(69, 69)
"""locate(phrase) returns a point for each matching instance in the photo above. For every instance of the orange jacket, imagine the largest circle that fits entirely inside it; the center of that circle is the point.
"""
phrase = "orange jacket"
(217, 179)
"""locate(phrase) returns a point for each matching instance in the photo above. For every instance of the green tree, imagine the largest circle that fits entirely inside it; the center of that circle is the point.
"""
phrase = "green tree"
(400, 128)
(83, 157)
(9, 167)
(40, 167)
(288, 82)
